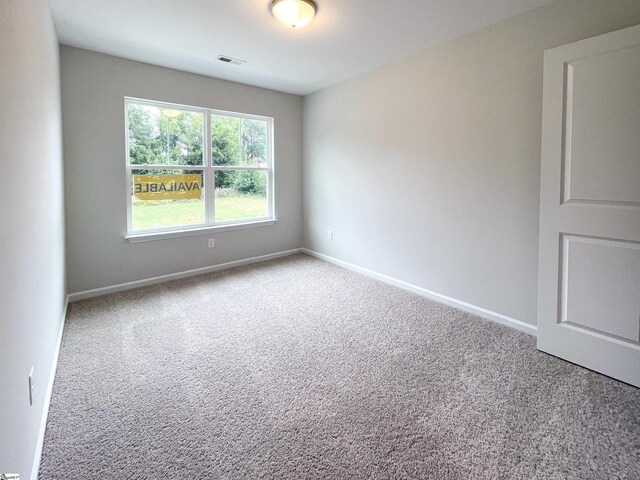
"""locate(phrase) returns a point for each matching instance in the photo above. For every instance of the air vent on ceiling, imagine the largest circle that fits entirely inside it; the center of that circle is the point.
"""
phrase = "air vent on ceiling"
(231, 60)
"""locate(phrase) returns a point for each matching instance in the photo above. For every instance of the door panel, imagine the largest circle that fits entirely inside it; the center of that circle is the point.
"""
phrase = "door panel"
(602, 130)
(589, 267)
(601, 285)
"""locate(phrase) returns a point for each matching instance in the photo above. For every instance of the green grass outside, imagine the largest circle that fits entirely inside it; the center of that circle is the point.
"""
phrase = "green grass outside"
(146, 215)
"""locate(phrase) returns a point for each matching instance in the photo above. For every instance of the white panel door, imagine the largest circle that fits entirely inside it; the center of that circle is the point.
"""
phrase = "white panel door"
(589, 269)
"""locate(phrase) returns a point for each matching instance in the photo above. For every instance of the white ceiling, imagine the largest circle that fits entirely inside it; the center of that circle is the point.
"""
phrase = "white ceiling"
(347, 37)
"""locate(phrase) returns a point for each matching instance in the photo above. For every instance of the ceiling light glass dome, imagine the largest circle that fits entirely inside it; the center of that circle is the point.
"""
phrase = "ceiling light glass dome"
(294, 13)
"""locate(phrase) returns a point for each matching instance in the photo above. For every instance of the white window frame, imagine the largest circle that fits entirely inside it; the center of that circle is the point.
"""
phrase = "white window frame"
(208, 191)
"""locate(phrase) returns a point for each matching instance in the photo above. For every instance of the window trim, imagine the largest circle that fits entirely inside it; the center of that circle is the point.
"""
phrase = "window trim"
(190, 232)
(208, 171)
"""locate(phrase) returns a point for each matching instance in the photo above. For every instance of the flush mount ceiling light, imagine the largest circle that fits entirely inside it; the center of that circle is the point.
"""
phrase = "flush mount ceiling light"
(294, 13)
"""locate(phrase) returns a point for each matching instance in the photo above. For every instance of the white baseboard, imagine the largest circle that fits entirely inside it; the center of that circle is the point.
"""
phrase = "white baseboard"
(452, 302)
(96, 292)
(35, 469)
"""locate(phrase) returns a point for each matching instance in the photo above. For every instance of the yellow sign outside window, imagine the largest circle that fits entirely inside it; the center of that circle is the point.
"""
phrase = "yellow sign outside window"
(167, 187)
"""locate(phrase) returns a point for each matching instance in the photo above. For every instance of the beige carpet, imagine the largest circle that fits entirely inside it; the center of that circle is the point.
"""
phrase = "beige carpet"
(298, 369)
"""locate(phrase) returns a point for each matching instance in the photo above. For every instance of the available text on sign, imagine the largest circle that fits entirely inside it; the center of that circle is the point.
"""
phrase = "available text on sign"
(167, 187)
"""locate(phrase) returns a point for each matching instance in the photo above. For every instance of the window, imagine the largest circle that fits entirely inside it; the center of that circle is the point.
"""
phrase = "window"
(192, 168)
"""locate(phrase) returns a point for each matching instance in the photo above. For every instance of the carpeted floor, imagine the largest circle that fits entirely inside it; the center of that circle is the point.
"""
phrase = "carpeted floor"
(298, 369)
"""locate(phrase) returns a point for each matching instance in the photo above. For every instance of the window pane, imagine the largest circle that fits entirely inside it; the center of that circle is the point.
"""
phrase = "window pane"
(166, 199)
(164, 135)
(241, 194)
(238, 141)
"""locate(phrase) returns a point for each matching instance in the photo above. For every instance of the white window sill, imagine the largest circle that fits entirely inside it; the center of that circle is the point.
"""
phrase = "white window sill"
(150, 236)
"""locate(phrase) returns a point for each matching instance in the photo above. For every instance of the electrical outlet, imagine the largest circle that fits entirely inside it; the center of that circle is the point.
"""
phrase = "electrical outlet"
(330, 235)
(211, 243)
(31, 385)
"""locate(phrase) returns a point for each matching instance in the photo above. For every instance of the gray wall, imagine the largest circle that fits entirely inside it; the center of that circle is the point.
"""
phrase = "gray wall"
(32, 287)
(93, 91)
(428, 169)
